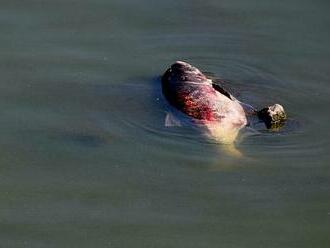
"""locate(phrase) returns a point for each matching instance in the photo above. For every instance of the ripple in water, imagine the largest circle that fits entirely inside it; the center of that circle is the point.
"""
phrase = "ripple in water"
(142, 109)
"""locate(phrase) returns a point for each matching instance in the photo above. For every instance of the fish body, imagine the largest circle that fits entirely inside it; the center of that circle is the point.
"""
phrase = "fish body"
(209, 105)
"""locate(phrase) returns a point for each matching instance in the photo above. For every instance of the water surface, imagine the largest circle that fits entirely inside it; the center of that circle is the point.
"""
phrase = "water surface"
(87, 162)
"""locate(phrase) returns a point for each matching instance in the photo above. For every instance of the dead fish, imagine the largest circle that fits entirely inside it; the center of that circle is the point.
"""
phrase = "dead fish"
(211, 106)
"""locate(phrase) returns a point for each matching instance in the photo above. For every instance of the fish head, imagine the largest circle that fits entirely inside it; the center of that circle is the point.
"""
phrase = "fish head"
(273, 116)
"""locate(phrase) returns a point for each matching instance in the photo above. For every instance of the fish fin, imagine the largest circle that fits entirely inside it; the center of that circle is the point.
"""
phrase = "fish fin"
(221, 85)
(220, 89)
(226, 85)
(172, 121)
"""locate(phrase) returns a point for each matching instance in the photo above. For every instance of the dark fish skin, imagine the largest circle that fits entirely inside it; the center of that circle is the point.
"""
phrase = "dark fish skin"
(185, 89)
(190, 91)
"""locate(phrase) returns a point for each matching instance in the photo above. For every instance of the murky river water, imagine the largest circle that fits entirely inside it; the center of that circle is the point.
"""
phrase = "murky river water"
(85, 158)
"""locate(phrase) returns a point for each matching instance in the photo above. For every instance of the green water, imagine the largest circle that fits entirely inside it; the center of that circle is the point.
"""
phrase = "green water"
(85, 158)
